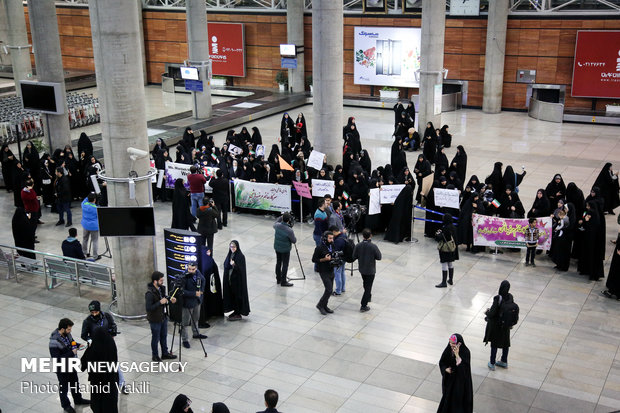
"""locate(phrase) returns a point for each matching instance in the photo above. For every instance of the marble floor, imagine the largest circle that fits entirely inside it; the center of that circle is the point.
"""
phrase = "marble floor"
(564, 355)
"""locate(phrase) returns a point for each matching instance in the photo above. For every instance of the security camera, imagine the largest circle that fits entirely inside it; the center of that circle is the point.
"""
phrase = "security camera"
(136, 153)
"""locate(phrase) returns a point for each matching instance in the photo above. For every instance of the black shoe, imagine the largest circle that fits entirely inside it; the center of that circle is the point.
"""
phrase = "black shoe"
(321, 310)
(199, 336)
(40, 222)
(69, 409)
(186, 344)
(286, 284)
(36, 241)
(335, 293)
(364, 309)
(82, 402)
(68, 224)
(124, 390)
(220, 227)
(58, 224)
(204, 325)
(157, 359)
(442, 285)
(329, 310)
(168, 356)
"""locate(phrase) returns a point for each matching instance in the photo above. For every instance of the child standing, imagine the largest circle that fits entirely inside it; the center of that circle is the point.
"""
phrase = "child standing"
(531, 241)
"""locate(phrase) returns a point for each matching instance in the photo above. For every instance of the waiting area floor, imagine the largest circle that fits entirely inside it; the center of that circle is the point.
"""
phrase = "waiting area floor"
(564, 355)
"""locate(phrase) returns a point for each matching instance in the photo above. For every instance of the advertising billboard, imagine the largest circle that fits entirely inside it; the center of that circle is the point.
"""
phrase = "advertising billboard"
(387, 56)
(596, 70)
(227, 48)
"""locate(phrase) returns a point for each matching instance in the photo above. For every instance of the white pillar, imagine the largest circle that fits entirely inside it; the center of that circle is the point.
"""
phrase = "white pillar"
(17, 41)
(198, 48)
(295, 35)
(495, 54)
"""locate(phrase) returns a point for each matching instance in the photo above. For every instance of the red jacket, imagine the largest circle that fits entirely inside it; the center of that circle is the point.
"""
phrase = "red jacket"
(196, 183)
(29, 198)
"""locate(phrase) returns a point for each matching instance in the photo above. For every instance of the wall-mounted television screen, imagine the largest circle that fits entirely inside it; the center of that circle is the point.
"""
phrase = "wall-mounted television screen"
(45, 97)
(126, 221)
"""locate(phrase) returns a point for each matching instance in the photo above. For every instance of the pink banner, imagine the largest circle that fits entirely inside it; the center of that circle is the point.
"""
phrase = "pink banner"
(303, 189)
(503, 232)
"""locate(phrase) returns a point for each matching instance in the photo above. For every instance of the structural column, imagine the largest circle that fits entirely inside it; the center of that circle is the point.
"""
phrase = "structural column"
(295, 35)
(327, 67)
(118, 64)
(495, 54)
(198, 45)
(431, 61)
(48, 61)
(18, 42)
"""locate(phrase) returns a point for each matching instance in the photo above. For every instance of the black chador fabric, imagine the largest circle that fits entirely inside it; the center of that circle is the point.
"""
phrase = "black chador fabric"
(511, 178)
(399, 227)
(459, 163)
(574, 195)
(102, 349)
(23, 232)
(613, 279)
(430, 228)
(235, 286)
(398, 159)
(593, 252)
(609, 188)
(441, 160)
(563, 241)
(430, 143)
(496, 179)
(182, 218)
(212, 304)
(456, 387)
(555, 190)
(541, 206)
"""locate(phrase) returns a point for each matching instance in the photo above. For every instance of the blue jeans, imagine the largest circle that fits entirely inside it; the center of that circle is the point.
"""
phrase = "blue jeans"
(64, 207)
(340, 278)
(196, 201)
(159, 333)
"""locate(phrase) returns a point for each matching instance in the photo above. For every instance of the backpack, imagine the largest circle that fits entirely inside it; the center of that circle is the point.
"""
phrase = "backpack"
(349, 246)
(509, 314)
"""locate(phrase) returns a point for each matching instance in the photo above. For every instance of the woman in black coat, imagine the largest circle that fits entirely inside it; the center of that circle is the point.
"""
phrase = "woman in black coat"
(574, 196)
(541, 206)
(457, 390)
(182, 218)
(607, 181)
(104, 392)
(399, 228)
(496, 333)
(235, 283)
(430, 142)
(24, 226)
(613, 278)
(459, 163)
(446, 234)
(593, 252)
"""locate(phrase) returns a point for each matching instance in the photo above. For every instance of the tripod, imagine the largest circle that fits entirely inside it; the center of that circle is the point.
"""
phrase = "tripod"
(180, 327)
(300, 266)
(351, 231)
(107, 253)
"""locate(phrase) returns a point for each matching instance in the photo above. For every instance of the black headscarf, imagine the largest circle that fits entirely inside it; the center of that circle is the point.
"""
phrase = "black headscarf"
(457, 387)
(495, 179)
(219, 408)
(180, 403)
(235, 287)
(257, 139)
(541, 206)
(574, 195)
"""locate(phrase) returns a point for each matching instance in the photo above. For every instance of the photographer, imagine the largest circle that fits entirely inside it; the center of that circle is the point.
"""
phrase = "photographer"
(96, 319)
(208, 216)
(193, 290)
(157, 315)
(338, 261)
(322, 257)
(283, 239)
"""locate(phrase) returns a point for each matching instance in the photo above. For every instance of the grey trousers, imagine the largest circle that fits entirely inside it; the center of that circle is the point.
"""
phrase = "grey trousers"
(95, 237)
(187, 321)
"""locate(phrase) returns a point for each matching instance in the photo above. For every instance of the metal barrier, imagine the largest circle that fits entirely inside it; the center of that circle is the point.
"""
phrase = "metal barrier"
(57, 267)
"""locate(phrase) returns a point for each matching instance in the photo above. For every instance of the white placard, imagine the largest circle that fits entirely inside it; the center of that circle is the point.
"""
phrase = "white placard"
(235, 150)
(389, 193)
(315, 160)
(438, 99)
(320, 187)
(386, 56)
(446, 198)
(374, 204)
(93, 178)
(160, 178)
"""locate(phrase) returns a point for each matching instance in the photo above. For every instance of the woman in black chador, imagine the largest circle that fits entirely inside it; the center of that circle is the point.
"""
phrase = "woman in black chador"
(104, 392)
(24, 226)
(430, 142)
(613, 279)
(212, 304)
(182, 218)
(235, 283)
(456, 385)
(556, 189)
(607, 181)
(459, 163)
(181, 404)
(593, 252)
(399, 228)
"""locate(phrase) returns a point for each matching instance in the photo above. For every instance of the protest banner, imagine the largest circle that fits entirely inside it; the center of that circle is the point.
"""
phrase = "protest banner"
(315, 160)
(321, 187)
(267, 197)
(302, 189)
(446, 198)
(389, 193)
(374, 204)
(509, 232)
(175, 171)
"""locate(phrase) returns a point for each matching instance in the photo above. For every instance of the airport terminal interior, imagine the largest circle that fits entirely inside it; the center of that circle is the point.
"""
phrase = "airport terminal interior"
(565, 349)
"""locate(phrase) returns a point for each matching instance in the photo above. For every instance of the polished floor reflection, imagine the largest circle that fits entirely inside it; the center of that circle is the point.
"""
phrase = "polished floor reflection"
(564, 354)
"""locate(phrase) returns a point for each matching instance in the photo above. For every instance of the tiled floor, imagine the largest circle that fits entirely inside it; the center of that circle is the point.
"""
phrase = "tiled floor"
(564, 354)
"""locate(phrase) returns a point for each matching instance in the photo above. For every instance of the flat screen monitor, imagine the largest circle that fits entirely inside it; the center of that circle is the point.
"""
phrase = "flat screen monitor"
(126, 221)
(189, 73)
(44, 97)
(287, 50)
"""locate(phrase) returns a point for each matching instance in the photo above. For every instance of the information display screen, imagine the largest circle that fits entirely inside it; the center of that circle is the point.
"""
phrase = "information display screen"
(182, 247)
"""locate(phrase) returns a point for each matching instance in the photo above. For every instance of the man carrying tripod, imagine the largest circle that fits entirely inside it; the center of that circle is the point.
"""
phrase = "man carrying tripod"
(193, 290)
(283, 239)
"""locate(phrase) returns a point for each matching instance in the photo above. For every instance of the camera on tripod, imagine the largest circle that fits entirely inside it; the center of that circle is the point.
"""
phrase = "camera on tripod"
(337, 258)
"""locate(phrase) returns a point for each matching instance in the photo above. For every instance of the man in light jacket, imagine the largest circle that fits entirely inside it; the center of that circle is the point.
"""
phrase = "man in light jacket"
(90, 225)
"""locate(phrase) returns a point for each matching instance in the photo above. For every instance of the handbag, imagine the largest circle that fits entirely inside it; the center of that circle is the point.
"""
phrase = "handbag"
(446, 246)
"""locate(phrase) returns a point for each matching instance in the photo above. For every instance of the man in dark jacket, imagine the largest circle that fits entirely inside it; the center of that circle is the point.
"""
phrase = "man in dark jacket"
(221, 196)
(61, 347)
(322, 258)
(208, 216)
(97, 318)
(283, 239)
(71, 247)
(63, 197)
(157, 316)
(367, 254)
(271, 401)
(193, 290)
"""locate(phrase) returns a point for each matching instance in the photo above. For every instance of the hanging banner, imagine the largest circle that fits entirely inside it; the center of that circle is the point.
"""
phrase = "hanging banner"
(447, 198)
(267, 197)
(302, 189)
(374, 203)
(175, 171)
(322, 187)
(315, 160)
(502, 232)
(389, 193)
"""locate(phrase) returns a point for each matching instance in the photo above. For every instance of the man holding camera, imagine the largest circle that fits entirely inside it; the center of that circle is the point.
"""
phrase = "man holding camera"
(322, 257)
(62, 346)
(338, 261)
(283, 239)
(193, 291)
(208, 216)
(157, 315)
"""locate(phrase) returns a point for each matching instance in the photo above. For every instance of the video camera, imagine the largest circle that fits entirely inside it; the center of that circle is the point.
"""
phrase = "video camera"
(353, 214)
(337, 258)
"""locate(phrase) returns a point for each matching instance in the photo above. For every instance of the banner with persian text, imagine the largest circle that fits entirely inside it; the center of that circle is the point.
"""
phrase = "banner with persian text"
(509, 233)
(268, 197)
